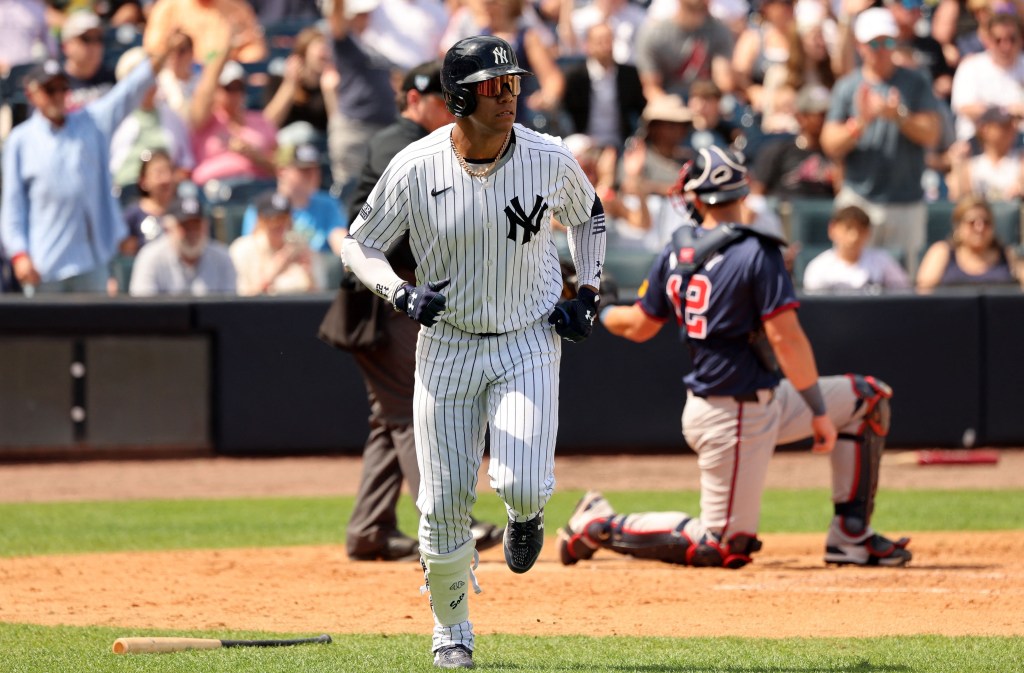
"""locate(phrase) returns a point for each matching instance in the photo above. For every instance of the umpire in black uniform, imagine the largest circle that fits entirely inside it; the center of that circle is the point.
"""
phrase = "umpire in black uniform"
(388, 368)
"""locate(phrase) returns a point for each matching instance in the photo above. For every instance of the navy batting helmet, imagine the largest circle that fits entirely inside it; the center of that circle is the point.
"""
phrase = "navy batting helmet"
(471, 60)
(716, 175)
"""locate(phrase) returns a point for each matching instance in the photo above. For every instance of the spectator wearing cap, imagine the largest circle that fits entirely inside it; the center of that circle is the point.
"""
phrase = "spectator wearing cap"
(58, 220)
(24, 34)
(184, 261)
(274, 258)
(665, 125)
(366, 100)
(671, 53)
(603, 96)
(315, 213)
(796, 167)
(81, 39)
(302, 91)
(204, 21)
(881, 120)
(997, 172)
(151, 126)
(229, 141)
(421, 101)
(994, 77)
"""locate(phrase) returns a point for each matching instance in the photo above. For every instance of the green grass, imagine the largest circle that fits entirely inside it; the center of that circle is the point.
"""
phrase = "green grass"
(51, 528)
(36, 649)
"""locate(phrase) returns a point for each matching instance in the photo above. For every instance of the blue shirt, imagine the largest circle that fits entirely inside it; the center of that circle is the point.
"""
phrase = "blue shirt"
(316, 221)
(727, 299)
(57, 201)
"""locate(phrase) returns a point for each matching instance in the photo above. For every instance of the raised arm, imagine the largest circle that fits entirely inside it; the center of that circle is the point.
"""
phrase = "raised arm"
(201, 107)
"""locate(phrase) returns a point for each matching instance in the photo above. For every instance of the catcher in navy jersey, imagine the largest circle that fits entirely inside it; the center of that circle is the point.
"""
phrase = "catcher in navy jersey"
(727, 288)
(476, 199)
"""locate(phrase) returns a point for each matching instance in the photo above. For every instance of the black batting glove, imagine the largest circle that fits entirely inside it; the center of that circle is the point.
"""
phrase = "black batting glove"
(574, 319)
(423, 303)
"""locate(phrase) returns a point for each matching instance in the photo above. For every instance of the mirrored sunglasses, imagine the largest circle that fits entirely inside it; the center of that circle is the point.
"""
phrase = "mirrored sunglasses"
(493, 87)
(883, 43)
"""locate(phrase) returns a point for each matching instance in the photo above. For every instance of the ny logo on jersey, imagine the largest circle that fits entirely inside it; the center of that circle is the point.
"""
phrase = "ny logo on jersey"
(500, 56)
(518, 217)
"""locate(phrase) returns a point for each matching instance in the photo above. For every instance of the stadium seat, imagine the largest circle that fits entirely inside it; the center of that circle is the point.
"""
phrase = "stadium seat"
(806, 220)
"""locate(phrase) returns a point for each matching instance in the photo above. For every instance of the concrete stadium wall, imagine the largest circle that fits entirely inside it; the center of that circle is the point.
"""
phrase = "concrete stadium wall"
(250, 377)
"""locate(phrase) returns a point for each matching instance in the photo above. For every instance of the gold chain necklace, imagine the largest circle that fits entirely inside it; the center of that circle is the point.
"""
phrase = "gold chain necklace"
(484, 172)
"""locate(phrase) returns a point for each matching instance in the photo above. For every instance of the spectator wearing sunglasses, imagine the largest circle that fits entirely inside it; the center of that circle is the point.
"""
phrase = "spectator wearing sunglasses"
(972, 255)
(881, 120)
(58, 220)
(82, 42)
(994, 77)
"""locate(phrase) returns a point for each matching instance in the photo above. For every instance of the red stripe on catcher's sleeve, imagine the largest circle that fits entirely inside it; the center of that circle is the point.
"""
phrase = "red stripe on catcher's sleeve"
(793, 305)
(647, 313)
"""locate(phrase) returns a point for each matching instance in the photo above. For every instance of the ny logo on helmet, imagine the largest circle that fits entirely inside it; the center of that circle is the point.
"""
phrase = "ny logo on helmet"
(500, 55)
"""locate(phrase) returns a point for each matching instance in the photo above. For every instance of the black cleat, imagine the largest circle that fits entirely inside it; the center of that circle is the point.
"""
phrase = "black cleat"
(523, 542)
(454, 656)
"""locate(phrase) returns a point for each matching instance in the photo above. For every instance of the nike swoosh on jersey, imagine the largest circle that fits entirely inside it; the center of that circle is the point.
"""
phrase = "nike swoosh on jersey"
(435, 191)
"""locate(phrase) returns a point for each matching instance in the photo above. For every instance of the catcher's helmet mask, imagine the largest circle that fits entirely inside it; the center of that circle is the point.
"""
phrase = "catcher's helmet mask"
(471, 60)
(716, 176)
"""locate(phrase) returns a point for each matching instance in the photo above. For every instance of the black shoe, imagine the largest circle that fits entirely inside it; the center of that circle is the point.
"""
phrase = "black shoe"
(454, 656)
(397, 547)
(523, 542)
(486, 535)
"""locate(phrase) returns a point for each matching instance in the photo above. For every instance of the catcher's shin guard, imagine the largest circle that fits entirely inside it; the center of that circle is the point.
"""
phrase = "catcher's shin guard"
(668, 545)
(711, 553)
(855, 514)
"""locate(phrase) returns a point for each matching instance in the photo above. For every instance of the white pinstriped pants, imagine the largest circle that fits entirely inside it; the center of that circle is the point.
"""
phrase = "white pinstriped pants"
(463, 383)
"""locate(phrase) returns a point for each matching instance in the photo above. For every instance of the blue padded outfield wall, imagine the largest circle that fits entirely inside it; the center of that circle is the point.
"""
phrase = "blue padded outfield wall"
(249, 377)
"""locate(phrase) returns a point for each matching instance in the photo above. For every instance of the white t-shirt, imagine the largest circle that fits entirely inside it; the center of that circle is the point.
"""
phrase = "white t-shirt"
(979, 80)
(996, 180)
(875, 269)
(407, 32)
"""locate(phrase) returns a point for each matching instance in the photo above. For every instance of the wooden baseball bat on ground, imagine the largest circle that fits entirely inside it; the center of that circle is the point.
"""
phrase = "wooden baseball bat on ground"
(153, 645)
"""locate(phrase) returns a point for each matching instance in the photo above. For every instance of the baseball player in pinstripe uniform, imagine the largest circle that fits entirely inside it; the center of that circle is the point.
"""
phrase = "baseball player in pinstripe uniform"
(476, 199)
(727, 287)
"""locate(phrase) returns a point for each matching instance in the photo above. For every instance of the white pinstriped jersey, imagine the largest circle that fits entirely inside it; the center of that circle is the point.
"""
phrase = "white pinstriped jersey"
(492, 237)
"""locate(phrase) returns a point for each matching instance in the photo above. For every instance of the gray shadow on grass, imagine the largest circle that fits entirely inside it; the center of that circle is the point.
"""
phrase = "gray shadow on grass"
(859, 667)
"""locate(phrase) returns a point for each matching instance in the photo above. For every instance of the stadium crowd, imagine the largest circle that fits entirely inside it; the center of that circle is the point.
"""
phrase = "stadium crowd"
(213, 146)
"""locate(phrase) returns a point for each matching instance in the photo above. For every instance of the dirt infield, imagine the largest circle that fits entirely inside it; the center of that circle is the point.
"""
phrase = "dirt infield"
(962, 584)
